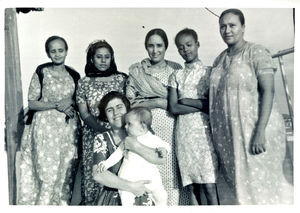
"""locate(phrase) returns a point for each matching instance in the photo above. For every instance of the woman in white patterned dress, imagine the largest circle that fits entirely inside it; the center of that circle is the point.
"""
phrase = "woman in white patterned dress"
(188, 98)
(48, 151)
(248, 130)
(147, 86)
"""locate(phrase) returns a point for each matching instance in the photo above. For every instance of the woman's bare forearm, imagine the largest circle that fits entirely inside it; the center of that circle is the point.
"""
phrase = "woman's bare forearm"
(41, 106)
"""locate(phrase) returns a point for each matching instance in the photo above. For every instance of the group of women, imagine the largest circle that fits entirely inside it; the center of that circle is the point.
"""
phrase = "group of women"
(218, 121)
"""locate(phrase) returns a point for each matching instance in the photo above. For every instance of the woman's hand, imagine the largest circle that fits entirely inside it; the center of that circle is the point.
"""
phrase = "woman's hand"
(258, 142)
(69, 111)
(101, 167)
(63, 104)
(138, 188)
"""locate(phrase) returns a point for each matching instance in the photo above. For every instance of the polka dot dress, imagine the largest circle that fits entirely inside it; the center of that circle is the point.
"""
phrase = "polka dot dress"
(163, 125)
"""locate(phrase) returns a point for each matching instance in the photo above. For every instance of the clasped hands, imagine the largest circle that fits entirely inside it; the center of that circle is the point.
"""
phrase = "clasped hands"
(65, 106)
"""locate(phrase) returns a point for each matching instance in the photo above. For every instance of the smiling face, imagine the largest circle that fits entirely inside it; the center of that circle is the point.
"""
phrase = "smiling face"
(102, 59)
(231, 29)
(57, 51)
(188, 48)
(115, 111)
(156, 49)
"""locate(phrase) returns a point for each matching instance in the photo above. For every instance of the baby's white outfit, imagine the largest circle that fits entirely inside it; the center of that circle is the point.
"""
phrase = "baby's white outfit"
(136, 168)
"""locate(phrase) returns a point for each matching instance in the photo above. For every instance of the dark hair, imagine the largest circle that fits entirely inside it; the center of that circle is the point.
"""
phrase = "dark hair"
(90, 68)
(52, 38)
(237, 12)
(144, 115)
(107, 98)
(159, 32)
(186, 31)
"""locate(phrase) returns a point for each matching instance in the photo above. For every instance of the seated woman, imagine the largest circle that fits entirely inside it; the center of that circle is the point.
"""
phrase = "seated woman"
(113, 108)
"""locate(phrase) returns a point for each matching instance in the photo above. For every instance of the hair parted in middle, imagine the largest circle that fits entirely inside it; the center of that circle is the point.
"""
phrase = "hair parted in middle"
(159, 32)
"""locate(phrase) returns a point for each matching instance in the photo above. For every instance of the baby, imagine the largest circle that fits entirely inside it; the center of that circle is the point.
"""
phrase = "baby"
(134, 168)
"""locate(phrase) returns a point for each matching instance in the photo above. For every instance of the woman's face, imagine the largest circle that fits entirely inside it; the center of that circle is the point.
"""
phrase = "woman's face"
(102, 59)
(156, 49)
(188, 48)
(57, 51)
(115, 111)
(231, 29)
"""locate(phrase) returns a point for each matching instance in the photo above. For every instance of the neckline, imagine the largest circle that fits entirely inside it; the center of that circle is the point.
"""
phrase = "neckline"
(236, 51)
(159, 65)
(193, 64)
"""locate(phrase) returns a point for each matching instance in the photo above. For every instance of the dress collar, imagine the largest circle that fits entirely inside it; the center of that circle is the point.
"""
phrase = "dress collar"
(194, 65)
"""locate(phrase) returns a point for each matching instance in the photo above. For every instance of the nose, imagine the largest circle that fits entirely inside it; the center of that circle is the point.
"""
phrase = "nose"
(154, 49)
(227, 29)
(103, 60)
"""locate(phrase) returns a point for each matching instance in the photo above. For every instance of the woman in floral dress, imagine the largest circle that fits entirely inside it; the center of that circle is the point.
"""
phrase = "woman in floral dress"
(188, 99)
(101, 77)
(113, 107)
(48, 151)
(248, 131)
(147, 86)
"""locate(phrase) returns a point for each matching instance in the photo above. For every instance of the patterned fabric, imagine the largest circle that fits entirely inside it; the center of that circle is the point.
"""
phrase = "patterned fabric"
(48, 154)
(234, 110)
(104, 146)
(195, 152)
(163, 125)
(90, 91)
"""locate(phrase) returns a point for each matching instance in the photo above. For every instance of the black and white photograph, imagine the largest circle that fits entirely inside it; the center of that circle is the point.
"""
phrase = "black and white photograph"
(169, 104)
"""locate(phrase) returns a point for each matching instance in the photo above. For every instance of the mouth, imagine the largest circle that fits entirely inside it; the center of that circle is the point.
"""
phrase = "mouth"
(187, 55)
(228, 37)
(118, 118)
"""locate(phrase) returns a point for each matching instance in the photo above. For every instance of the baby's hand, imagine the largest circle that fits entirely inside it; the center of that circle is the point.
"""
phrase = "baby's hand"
(101, 167)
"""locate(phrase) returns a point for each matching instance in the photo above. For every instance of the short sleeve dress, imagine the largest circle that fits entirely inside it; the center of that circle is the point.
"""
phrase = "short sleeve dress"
(234, 112)
(194, 148)
(48, 152)
(90, 91)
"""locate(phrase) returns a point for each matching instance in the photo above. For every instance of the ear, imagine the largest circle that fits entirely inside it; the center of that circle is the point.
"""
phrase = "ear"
(92, 61)
(198, 44)
(243, 28)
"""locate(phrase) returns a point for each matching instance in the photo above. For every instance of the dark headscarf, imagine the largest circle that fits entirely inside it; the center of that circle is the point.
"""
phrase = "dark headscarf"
(90, 69)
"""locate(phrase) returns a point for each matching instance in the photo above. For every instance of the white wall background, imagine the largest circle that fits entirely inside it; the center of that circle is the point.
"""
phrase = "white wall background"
(125, 30)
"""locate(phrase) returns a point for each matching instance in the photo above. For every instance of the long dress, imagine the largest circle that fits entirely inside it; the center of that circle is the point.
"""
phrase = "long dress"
(48, 152)
(90, 91)
(234, 112)
(163, 124)
(194, 148)
(103, 146)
